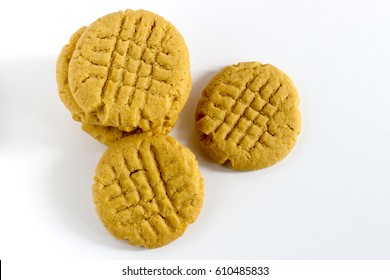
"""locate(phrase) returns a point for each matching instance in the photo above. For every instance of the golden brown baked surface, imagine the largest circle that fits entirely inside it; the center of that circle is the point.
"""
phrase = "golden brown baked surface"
(148, 189)
(248, 116)
(130, 70)
(62, 70)
(108, 134)
(105, 134)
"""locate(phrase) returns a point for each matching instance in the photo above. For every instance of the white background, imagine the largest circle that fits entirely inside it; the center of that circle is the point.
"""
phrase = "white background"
(329, 199)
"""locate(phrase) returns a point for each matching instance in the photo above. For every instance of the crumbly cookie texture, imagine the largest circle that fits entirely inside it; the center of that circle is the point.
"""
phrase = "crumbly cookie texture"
(130, 70)
(148, 189)
(105, 134)
(248, 116)
(108, 134)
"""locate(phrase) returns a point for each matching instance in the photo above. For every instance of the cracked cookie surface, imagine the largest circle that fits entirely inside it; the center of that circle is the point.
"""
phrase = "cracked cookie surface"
(148, 189)
(130, 70)
(248, 116)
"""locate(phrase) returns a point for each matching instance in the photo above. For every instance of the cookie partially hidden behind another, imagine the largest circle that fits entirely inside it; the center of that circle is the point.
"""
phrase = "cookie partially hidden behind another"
(128, 72)
(148, 189)
(62, 70)
(248, 116)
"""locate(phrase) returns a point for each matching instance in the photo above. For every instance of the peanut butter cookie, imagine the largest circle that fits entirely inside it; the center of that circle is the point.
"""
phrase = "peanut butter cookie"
(130, 70)
(104, 134)
(148, 189)
(248, 116)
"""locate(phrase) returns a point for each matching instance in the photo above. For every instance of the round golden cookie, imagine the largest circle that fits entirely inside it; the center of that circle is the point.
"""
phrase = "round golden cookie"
(104, 134)
(148, 189)
(130, 70)
(248, 116)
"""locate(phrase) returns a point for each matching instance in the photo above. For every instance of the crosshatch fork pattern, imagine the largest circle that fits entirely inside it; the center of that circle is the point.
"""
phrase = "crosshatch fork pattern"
(133, 75)
(143, 199)
(104, 134)
(248, 108)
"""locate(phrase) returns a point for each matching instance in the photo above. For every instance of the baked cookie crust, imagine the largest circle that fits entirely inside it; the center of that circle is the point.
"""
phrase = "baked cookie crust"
(108, 134)
(248, 116)
(148, 189)
(130, 70)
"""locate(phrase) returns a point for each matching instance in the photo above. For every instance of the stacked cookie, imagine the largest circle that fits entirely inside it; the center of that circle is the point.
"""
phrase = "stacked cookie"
(126, 77)
(128, 72)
